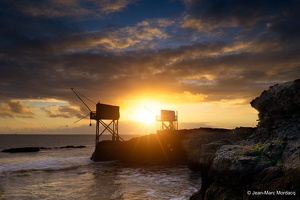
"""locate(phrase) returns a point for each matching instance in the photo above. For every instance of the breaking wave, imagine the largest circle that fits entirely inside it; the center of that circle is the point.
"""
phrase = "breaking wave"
(45, 164)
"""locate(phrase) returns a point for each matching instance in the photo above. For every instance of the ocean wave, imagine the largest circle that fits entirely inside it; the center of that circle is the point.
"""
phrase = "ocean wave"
(45, 164)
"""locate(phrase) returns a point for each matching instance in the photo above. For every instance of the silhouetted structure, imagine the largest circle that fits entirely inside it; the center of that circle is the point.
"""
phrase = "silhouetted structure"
(109, 113)
(168, 119)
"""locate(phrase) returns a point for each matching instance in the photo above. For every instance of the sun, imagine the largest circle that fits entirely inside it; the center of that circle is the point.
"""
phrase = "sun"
(145, 116)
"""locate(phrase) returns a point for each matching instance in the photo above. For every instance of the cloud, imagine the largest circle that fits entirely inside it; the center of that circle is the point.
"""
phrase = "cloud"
(109, 6)
(144, 34)
(272, 23)
(219, 70)
(71, 8)
(217, 52)
(234, 13)
(182, 98)
(14, 109)
(54, 111)
(54, 8)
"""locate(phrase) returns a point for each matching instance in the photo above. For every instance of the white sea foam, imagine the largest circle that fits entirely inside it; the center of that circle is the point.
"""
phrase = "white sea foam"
(45, 164)
(70, 174)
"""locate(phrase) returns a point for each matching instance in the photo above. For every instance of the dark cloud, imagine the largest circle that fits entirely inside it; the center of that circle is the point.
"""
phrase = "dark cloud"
(256, 20)
(236, 12)
(236, 49)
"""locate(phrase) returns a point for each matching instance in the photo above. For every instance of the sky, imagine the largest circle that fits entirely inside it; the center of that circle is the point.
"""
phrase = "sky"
(206, 59)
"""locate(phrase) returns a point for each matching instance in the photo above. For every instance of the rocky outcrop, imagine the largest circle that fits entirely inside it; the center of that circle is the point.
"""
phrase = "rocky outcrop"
(264, 166)
(155, 149)
(21, 150)
(166, 147)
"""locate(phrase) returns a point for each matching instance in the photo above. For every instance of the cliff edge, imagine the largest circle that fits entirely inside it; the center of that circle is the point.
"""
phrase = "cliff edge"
(266, 165)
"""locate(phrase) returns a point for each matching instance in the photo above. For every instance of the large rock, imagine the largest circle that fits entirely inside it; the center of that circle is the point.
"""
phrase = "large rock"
(167, 147)
(154, 149)
(280, 101)
(202, 147)
(269, 160)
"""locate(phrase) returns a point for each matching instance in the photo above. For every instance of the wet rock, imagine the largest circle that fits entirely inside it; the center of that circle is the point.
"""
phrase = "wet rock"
(21, 150)
(202, 146)
(107, 151)
(204, 142)
(154, 149)
(234, 165)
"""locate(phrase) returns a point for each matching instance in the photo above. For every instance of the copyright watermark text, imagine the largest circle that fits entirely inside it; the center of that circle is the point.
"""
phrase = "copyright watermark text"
(271, 193)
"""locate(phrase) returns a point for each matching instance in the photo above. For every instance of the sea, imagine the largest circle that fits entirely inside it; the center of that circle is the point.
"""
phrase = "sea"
(68, 173)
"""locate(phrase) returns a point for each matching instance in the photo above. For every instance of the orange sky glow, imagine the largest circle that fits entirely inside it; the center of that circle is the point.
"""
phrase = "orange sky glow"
(138, 116)
(205, 59)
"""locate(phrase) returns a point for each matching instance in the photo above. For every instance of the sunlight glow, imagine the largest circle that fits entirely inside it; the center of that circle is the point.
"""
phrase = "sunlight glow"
(145, 116)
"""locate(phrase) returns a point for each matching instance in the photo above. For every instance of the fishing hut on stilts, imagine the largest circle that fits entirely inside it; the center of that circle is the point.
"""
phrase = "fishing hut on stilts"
(105, 115)
(168, 119)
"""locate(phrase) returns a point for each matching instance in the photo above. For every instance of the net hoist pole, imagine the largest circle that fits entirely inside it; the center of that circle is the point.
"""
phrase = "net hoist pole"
(80, 99)
(150, 111)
